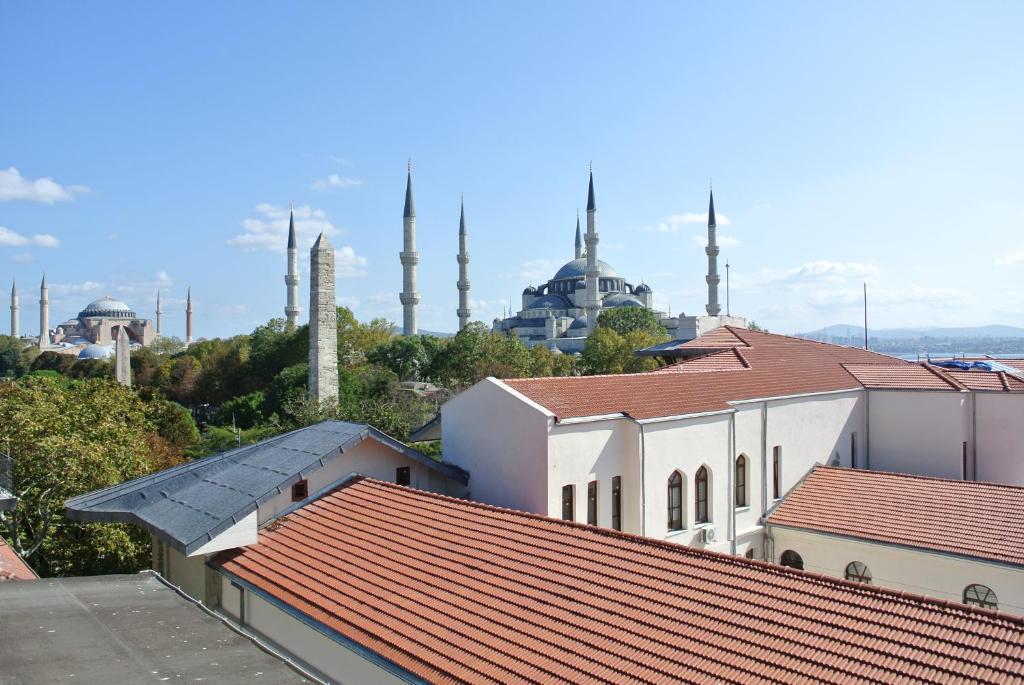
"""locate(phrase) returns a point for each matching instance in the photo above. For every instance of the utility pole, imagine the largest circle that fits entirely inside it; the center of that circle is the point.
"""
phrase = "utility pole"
(728, 312)
(865, 315)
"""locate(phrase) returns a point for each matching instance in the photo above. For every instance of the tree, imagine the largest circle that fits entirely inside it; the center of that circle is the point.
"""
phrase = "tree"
(605, 351)
(15, 357)
(406, 356)
(68, 438)
(624, 320)
(244, 411)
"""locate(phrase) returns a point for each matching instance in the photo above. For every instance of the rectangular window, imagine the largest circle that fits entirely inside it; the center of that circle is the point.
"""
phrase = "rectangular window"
(741, 481)
(592, 503)
(567, 508)
(853, 450)
(963, 467)
(777, 471)
(300, 490)
(617, 503)
(403, 475)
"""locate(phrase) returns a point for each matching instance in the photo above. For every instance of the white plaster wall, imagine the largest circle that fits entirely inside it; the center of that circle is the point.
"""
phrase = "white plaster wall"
(188, 573)
(1000, 437)
(369, 458)
(935, 575)
(919, 432)
(310, 647)
(597, 450)
(502, 440)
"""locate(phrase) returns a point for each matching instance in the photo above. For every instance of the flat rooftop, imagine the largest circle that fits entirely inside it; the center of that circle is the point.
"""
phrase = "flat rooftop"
(122, 629)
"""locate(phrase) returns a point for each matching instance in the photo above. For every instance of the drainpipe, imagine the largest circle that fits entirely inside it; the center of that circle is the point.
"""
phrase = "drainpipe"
(764, 457)
(867, 429)
(974, 435)
(643, 481)
(730, 466)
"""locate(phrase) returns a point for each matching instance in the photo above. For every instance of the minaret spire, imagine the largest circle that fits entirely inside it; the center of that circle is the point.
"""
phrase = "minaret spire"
(713, 308)
(579, 239)
(409, 258)
(188, 317)
(463, 260)
(44, 315)
(14, 310)
(291, 279)
(593, 271)
(159, 314)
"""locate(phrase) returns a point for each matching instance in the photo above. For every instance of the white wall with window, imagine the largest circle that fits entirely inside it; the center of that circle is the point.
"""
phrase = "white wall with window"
(932, 573)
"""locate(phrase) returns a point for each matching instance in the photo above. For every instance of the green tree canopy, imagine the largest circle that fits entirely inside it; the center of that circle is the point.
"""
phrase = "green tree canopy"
(625, 320)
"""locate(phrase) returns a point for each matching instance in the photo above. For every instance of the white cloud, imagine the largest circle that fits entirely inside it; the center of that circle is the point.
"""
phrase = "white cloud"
(9, 238)
(677, 222)
(1011, 258)
(22, 257)
(347, 264)
(335, 182)
(269, 230)
(818, 271)
(536, 270)
(722, 240)
(14, 186)
(60, 290)
(229, 309)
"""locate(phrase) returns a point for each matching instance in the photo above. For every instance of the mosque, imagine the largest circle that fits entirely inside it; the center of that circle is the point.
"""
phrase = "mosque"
(562, 312)
(93, 333)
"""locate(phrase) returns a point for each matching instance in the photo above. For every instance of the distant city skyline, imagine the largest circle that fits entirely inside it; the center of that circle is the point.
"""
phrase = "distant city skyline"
(159, 148)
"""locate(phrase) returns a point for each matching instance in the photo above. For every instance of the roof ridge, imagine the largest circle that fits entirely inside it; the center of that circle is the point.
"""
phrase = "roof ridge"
(916, 476)
(944, 376)
(687, 550)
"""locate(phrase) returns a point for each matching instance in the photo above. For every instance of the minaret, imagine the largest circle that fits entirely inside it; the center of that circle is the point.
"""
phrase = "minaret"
(44, 315)
(579, 240)
(122, 359)
(410, 258)
(14, 310)
(159, 314)
(323, 323)
(593, 272)
(188, 317)
(463, 260)
(291, 279)
(713, 307)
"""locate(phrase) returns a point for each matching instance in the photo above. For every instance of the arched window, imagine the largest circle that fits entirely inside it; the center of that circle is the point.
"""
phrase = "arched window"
(741, 481)
(858, 572)
(675, 501)
(792, 559)
(980, 596)
(700, 488)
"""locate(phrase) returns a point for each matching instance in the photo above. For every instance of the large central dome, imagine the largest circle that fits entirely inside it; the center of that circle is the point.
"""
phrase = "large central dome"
(107, 307)
(577, 268)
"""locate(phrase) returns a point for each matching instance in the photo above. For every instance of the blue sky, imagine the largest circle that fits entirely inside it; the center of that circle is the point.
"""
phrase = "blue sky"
(146, 146)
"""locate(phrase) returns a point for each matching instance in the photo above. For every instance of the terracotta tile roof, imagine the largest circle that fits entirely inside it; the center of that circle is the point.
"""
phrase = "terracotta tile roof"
(13, 567)
(727, 360)
(986, 380)
(455, 591)
(779, 365)
(983, 520)
(901, 376)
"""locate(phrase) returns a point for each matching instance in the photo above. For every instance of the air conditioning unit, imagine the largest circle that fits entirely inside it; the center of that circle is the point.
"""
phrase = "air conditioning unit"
(708, 534)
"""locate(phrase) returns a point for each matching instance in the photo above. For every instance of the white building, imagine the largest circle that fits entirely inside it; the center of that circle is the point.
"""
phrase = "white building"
(956, 540)
(697, 452)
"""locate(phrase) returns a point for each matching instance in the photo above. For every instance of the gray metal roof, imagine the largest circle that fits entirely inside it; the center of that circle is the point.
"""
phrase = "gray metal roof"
(122, 630)
(189, 505)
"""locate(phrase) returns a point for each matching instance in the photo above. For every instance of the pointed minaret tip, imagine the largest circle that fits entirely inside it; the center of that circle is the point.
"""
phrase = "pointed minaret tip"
(462, 215)
(711, 208)
(591, 203)
(410, 208)
(291, 228)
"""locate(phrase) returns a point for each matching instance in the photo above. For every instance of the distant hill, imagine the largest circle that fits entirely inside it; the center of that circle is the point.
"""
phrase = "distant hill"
(397, 330)
(852, 331)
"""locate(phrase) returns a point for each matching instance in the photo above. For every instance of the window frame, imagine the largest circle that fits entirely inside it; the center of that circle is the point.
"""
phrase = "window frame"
(857, 572)
(986, 600)
(568, 503)
(300, 490)
(617, 503)
(797, 563)
(701, 496)
(740, 495)
(777, 472)
(403, 473)
(592, 490)
(675, 492)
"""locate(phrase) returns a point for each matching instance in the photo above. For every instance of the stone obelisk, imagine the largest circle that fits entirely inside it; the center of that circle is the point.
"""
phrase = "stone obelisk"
(122, 358)
(323, 323)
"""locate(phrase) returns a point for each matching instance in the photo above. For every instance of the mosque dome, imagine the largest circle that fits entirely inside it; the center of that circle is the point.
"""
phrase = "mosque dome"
(643, 288)
(96, 352)
(530, 290)
(622, 300)
(549, 301)
(577, 268)
(578, 323)
(107, 307)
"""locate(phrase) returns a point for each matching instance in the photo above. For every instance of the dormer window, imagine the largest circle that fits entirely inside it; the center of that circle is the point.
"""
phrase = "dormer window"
(300, 490)
(403, 475)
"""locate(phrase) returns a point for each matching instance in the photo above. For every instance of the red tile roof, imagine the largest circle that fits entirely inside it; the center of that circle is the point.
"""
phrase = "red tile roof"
(727, 360)
(982, 520)
(454, 591)
(779, 366)
(986, 380)
(901, 376)
(13, 567)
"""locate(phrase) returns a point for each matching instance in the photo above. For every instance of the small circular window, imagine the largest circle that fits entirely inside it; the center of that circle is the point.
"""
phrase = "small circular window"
(858, 572)
(980, 596)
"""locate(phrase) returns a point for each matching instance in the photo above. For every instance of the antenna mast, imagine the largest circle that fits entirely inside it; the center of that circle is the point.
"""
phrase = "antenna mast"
(865, 316)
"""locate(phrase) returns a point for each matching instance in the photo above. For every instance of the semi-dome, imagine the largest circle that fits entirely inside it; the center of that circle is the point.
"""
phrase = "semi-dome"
(96, 352)
(107, 307)
(578, 323)
(622, 300)
(529, 290)
(577, 268)
(549, 301)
